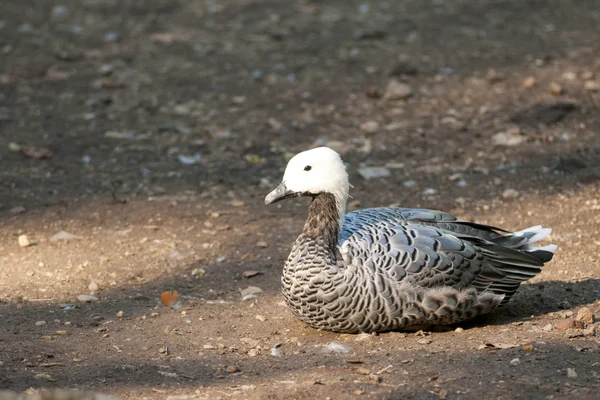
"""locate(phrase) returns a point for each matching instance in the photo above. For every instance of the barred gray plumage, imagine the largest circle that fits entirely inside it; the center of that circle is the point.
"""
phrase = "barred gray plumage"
(384, 269)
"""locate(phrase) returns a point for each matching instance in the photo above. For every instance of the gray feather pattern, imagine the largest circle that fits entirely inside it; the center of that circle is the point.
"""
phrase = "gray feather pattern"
(396, 267)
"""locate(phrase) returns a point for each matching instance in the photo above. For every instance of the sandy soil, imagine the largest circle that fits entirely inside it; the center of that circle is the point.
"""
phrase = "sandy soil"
(150, 131)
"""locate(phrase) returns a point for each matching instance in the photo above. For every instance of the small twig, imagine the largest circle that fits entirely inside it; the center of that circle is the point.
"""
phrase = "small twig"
(383, 369)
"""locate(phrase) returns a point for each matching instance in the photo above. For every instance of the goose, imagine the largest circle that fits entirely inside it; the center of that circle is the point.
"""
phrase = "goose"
(388, 269)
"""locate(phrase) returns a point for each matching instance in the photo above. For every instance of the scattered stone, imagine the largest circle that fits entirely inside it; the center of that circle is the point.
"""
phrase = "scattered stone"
(36, 153)
(368, 173)
(253, 352)
(397, 90)
(255, 159)
(237, 203)
(370, 127)
(569, 76)
(189, 160)
(111, 37)
(64, 236)
(262, 244)
(274, 124)
(585, 315)
(547, 328)
(251, 273)
(86, 298)
(120, 315)
(455, 177)
(93, 287)
(54, 74)
(260, 318)
(363, 336)
(424, 341)
(555, 89)
(40, 323)
(429, 192)
(275, 352)
(17, 210)
(566, 313)
(14, 147)
(198, 273)
(336, 347)
(358, 392)
(565, 324)
(119, 135)
(592, 86)
(409, 183)
(459, 330)
(510, 194)
(587, 75)
(527, 347)
(24, 241)
(373, 92)
(590, 331)
(515, 361)
(164, 38)
(509, 138)
(250, 292)
(494, 76)
(529, 82)
(571, 373)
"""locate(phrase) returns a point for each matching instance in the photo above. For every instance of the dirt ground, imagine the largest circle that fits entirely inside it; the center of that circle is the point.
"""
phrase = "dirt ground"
(149, 132)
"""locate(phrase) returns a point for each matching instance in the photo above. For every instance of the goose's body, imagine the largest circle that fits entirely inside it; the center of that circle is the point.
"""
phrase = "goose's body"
(384, 269)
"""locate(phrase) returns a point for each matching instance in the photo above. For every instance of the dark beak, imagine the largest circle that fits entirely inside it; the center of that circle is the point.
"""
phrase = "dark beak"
(281, 192)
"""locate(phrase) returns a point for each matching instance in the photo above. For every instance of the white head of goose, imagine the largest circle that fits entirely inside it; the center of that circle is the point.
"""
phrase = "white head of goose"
(383, 269)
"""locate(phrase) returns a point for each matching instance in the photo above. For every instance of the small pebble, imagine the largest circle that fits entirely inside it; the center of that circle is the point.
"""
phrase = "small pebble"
(15, 147)
(571, 373)
(592, 86)
(87, 298)
(397, 90)
(17, 210)
(509, 138)
(24, 241)
(565, 324)
(40, 323)
(547, 327)
(93, 287)
(585, 315)
(370, 127)
(120, 315)
(555, 89)
(260, 318)
(368, 173)
(529, 82)
(510, 194)
(515, 361)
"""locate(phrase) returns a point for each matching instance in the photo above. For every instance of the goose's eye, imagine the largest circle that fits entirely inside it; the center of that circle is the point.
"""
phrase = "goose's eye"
(307, 168)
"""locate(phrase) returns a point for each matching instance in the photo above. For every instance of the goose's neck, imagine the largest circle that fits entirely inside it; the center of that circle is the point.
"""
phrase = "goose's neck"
(325, 215)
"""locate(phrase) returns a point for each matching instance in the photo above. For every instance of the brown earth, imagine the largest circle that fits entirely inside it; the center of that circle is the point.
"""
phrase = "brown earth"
(158, 127)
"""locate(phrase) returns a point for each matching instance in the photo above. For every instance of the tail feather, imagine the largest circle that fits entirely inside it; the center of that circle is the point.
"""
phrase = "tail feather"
(518, 257)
